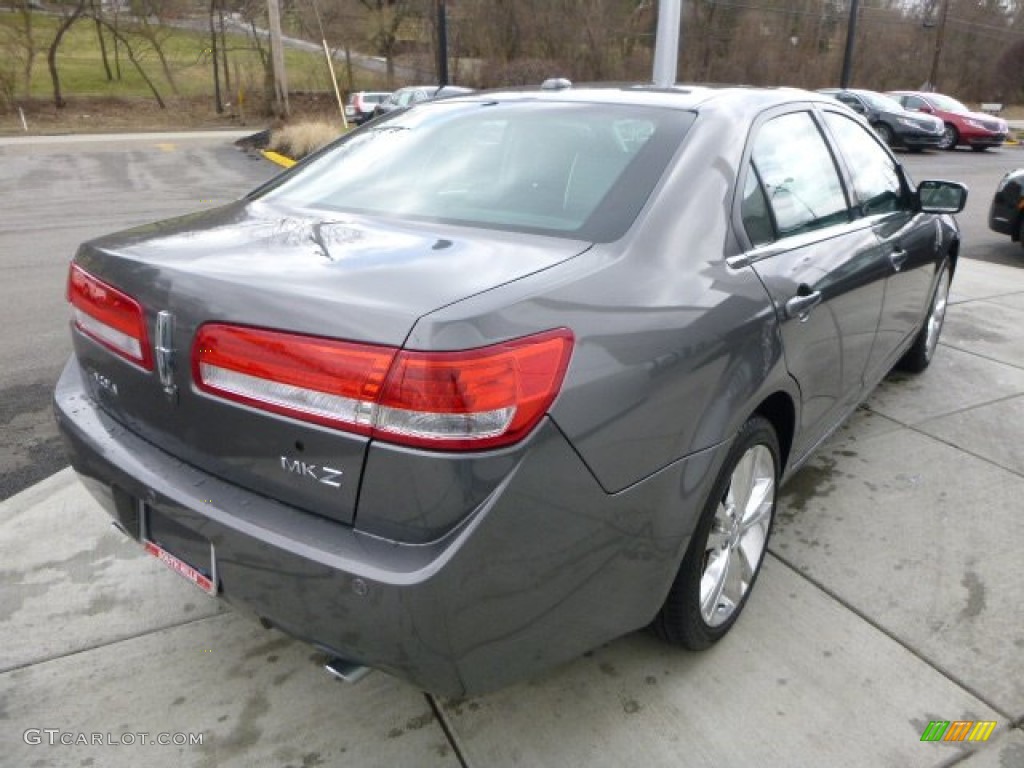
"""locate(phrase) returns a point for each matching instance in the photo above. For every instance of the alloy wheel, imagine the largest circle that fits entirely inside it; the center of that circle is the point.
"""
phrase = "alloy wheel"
(739, 533)
(948, 138)
(937, 315)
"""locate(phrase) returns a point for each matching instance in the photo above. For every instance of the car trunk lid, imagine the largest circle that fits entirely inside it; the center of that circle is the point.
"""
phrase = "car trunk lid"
(257, 266)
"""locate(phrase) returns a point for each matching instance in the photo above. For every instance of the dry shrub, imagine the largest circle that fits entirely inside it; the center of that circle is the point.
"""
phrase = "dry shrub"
(300, 139)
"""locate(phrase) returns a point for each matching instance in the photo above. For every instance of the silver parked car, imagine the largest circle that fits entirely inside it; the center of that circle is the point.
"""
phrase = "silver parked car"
(414, 94)
(498, 378)
(361, 104)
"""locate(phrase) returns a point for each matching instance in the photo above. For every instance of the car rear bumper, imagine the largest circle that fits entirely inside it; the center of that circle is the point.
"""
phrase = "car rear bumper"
(1004, 219)
(546, 567)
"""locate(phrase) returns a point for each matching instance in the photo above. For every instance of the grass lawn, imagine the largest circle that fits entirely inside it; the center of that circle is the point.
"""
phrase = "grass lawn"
(80, 63)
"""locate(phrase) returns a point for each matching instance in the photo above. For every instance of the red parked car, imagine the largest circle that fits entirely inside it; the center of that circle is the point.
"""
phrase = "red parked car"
(963, 127)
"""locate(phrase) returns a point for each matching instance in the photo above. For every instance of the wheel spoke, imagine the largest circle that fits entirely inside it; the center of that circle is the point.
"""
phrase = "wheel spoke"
(735, 584)
(749, 553)
(711, 586)
(741, 482)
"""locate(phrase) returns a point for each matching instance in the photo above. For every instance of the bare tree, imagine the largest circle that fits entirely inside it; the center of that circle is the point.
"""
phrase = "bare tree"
(386, 18)
(19, 49)
(96, 9)
(67, 19)
(150, 25)
(134, 59)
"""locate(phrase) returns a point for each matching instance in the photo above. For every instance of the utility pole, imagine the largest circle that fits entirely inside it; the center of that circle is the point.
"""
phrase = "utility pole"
(277, 60)
(851, 37)
(940, 36)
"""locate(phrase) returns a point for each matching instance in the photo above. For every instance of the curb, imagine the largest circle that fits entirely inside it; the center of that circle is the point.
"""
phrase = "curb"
(279, 159)
(274, 157)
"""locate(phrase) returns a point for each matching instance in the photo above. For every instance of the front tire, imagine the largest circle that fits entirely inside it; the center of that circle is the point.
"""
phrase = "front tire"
(950, 137)
(728, 546)
(884, 133)
(920, 354)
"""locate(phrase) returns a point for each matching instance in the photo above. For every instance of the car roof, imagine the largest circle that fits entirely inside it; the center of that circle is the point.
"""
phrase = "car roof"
(742, 99)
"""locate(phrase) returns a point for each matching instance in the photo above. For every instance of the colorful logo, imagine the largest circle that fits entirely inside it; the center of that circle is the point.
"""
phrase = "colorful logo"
(958, 730)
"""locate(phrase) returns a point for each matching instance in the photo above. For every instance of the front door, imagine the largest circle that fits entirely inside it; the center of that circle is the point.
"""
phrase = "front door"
(910, 241)
(824, 269)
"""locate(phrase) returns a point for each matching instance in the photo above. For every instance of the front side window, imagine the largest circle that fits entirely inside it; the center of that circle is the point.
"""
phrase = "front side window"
(798, 174)
(876, 180)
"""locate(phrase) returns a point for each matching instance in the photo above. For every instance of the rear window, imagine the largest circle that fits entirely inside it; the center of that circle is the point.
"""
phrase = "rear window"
(575, 170)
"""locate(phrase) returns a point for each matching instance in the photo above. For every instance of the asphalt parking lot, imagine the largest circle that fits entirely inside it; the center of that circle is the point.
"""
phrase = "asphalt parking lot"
(890, 599)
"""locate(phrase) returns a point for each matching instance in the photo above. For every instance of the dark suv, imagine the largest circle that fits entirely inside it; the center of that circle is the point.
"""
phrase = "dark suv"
(962, 127)
(896, 126)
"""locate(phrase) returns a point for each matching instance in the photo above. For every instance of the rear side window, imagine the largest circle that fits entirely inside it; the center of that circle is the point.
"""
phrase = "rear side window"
(757, 220)
(876, 182)
(799, 177)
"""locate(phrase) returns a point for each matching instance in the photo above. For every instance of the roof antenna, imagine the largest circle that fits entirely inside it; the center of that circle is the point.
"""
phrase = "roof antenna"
(666, 43)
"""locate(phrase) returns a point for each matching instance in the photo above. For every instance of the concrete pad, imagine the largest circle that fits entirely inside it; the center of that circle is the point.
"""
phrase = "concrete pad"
(956, 380)
(987, 329)
(1013, 300)
(982, 279)
(924, 540)
(71, 582)
(800, 681)
(1005, 750)
(862, 424)
(254, 696)
(994, 431)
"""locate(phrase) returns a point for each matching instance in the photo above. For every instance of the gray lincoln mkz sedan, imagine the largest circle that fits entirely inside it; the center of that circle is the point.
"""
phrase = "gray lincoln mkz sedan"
(495, 379)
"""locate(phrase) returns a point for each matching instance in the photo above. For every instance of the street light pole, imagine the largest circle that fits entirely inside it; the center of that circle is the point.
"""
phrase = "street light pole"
(442, 43)
(851, 35)
(666, 43)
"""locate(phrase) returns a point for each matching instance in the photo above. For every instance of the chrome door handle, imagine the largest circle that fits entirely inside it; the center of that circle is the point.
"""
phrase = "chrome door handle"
(800, 306)
(898, 257)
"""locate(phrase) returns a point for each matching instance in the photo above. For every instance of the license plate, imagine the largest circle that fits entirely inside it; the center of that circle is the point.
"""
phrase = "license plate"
(183, 569)
(174, 545)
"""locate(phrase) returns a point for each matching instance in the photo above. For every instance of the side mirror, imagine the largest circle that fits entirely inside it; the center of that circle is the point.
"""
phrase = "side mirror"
(941, 196)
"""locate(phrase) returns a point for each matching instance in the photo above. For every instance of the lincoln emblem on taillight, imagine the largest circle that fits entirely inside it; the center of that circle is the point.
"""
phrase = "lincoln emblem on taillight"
(164, 348)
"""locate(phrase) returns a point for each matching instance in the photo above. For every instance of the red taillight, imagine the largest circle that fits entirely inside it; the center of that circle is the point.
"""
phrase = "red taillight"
(109, 316)
(322, 380)
(478, 398)
(466, 400)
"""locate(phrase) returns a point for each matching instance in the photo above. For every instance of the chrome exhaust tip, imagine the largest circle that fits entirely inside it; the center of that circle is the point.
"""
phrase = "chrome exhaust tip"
(345, 670)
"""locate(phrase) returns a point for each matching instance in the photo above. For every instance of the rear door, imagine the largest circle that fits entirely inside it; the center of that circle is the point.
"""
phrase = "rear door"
(908, 239)
(823, 267)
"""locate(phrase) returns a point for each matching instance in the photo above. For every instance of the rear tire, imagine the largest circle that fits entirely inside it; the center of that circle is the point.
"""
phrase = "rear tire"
(919, 356)
(977, 148)
(728, 545)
